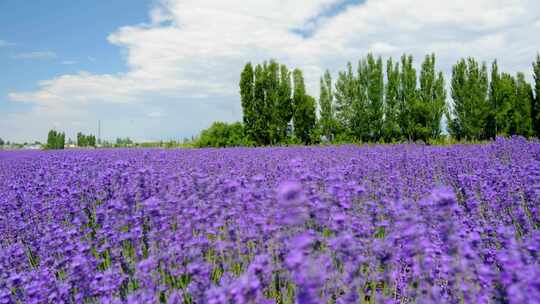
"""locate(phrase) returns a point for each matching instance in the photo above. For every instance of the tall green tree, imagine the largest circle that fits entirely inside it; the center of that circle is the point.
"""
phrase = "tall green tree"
(391, 129)
(375, 97)
(470, 108)
(495, 101)
(505, 108)
(247, 100)
(304, 117)
(260, 124)
(511, 102)
(535, 108)
(522, 118)
(433, 94)
(420, 119)
(265, 93)
(285, 106)
(345, 96)
(430, 105)
(407, 96)
(55, 140)
(81, 140)
(51, 137)
(360, 106)
(326, 107)
(272, 94)
(86, 140)
(61, 141)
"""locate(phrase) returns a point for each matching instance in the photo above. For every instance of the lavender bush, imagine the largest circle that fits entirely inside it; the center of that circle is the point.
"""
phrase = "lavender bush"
(383, 224)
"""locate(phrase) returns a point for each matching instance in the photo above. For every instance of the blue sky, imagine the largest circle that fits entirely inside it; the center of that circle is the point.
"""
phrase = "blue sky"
(50, 38)
(74, 31)
(165, 69)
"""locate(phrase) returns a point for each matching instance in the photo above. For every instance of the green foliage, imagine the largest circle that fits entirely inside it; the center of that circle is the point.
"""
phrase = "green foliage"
(266, 102)
(271, 103)
(55, 140)
(391, 128)
(522, 118)
(360, 100)
(221, 135)
(431, 103)
(407, 97)
(512, 105)
(247, 100)
(328, 123)
(345, 96)
(535, 107)
(470, 108)
(304, 117)
(285, 105)
(495, 102)
(123, 142)
(504, 111)
(361, 107)
(359, 121)
(1, 142)
(260, 126)
(375, 97)
(85, 140)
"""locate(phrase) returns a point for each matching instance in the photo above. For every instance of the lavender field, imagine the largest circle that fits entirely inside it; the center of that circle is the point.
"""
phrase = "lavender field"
(349, 224)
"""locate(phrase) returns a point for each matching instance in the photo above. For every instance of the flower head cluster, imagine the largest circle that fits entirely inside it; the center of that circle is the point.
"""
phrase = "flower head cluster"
(348, 224)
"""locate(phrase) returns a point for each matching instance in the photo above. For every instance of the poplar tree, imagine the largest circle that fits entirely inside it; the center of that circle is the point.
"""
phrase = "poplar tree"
(421, 106)
(345, 96)
(284, 107)
(535, 108)
(391, 129)
(431, 103)
(495, 102)
(55, 140)
(260, 124)
(326, 107)
(61, 141)
(304, 117)
(272, 96)
(522, 118)
(504, 113)
(375, 97)
(407, 96)
(470, 105)
(360, 107)
(247, 101)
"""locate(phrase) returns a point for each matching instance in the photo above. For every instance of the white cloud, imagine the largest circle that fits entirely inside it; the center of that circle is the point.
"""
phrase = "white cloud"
(192, 52)
(35, 55)
(68, 62)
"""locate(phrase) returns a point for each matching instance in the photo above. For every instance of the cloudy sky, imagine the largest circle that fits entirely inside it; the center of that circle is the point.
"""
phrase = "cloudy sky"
(165, 69)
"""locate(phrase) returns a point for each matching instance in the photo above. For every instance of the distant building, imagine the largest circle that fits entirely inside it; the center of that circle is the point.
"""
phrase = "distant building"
(31, 147)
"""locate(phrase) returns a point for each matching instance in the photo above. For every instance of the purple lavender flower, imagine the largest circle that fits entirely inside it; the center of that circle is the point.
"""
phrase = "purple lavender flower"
(347, 224)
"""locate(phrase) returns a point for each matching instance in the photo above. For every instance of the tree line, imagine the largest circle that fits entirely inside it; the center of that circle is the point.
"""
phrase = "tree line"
(56, 140)
(272, 98)
(484, 107)
(388, 101)
(85, 140)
